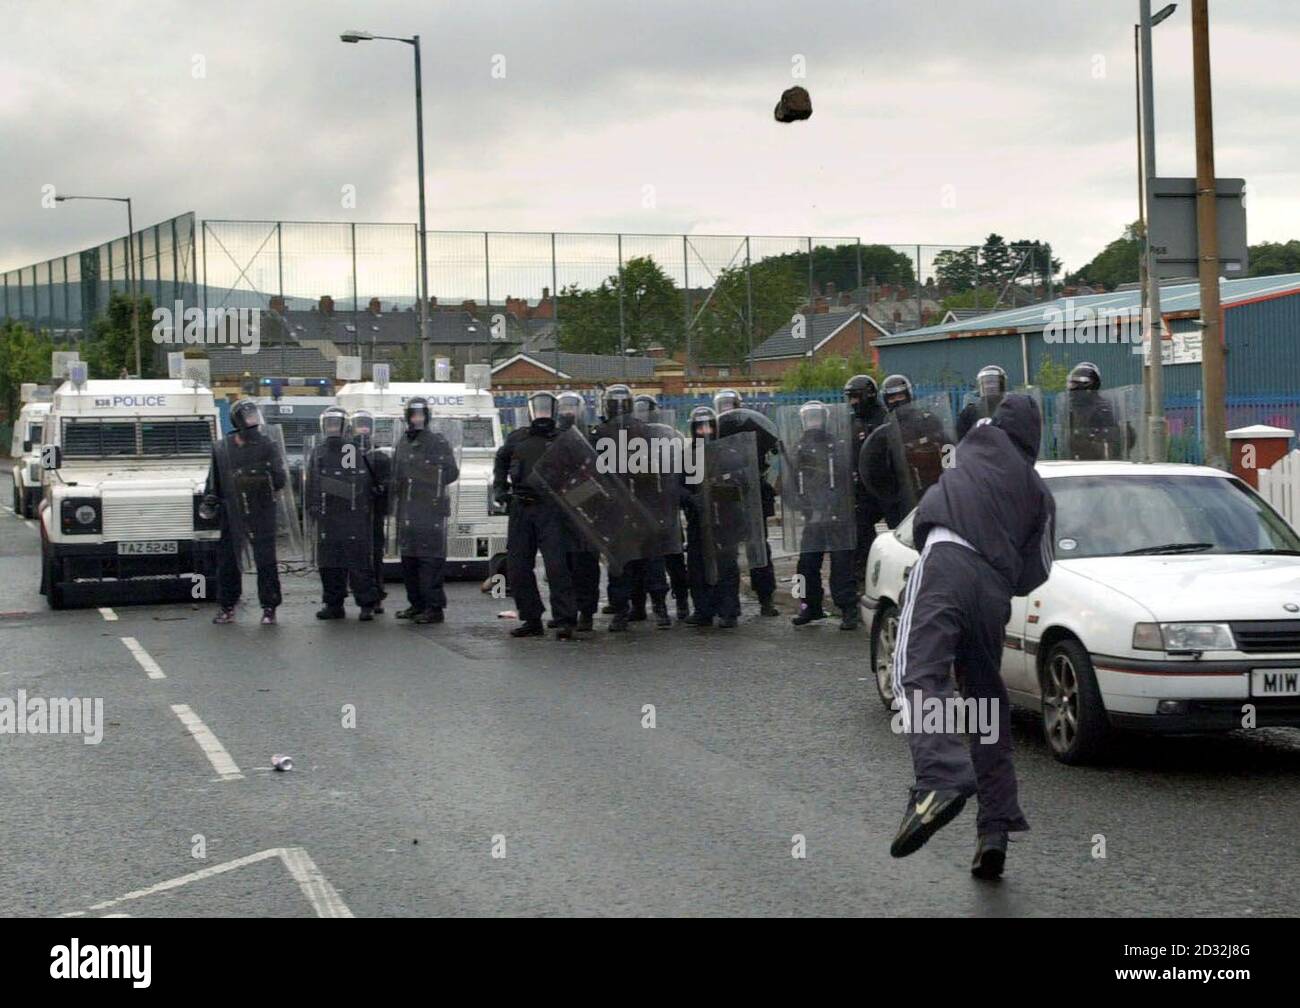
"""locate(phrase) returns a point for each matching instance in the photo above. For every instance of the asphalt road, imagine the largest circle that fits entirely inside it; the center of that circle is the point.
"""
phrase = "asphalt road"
(466, 740)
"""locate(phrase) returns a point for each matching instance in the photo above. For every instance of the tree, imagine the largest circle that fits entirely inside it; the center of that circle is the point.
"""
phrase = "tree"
(1272, 258)
(1116, 264)
(827, 373)
(722, 334)
(957, 269)
(24, 357)
(651, 311)
(1051, 376)
(996, 263)
(110, 347)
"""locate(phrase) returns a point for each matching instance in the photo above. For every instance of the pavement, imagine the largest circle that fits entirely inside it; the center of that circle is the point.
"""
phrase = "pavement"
(452, 770)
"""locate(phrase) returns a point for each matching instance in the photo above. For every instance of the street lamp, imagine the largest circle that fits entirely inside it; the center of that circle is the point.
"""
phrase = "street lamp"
(1155, 385)
(130, 265)
(414, 40)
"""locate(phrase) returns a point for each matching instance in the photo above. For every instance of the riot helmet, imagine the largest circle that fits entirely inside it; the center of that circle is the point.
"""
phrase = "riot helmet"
(1085, 376)
(333, 422)
(860, 393)
(704, 423)
(570, 410)
(418, 415)
(814, 416)
(617, 401)
(991, 381)
(246, 416)
(542, 410)
(725, 400)
(896, 391)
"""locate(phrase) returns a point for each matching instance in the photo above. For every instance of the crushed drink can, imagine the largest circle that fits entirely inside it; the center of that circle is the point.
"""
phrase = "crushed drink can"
(282, 762)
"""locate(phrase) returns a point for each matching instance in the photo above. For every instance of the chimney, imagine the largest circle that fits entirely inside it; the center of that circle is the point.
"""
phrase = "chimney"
(375, 308)
(326, 305)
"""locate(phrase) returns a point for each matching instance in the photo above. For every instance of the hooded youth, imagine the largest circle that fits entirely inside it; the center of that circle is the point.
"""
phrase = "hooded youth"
(993, 498)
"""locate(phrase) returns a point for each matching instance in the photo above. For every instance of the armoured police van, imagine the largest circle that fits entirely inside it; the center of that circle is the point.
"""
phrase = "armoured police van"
(298, 418)
(476, 533)
(124, 465)
(26, 453)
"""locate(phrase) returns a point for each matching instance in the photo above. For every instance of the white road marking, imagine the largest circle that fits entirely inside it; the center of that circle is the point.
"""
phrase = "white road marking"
(30, 524)
(142, 656)
(108, 614)
(212, 748)
(323, 897)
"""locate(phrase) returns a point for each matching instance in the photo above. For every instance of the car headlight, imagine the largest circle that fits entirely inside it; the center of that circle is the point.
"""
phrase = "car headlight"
(1183, 637)
(80, 515)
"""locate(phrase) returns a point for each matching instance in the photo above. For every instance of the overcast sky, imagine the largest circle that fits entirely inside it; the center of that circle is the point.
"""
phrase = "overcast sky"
(1025, 109)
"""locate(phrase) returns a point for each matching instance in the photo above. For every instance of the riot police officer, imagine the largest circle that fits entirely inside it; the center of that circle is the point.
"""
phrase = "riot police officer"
(536, 522)
(866, 414)
(247, 475)
(622, 426)
(1092, 431)
(990, 387)
(905, 456)
(338, 505)
(762, 578)
(712, 566)
(424, 466)
(645, 407)
(362, 430)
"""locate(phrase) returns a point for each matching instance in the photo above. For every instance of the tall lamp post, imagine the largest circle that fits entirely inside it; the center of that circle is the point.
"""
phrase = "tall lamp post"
(1155, 408)
(130, 265)
(414, 41)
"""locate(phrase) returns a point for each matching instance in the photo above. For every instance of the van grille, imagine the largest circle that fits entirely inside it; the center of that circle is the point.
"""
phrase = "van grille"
(127, 516)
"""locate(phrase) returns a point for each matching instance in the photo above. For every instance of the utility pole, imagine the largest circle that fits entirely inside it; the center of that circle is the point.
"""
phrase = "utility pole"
(1213, 370)
(1142, 221)
(1156, 419)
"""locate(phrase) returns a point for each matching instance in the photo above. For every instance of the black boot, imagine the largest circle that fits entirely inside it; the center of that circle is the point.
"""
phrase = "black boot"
(695, 619)
(850, 620)
(990, 856)
(584, 621)
(531, 628)
(726, 622)
(331, 612)
(619, 623)
(410, 612)
(564, 632)
(662, 620)
(367, 614)
(683, 609)
(636, 615)
(808, 615)
(767, 608)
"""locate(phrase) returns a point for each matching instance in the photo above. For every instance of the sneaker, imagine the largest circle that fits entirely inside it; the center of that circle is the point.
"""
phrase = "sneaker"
(766, 608)
(268, 617)
(990, 856)
(532, 628)
(808, 615)
(927, 813)
(584, 621)
(727, 622)
(618, 624)
(331, 612)
(851, 620)
(410, 612)
(367, 614)
(224, 616)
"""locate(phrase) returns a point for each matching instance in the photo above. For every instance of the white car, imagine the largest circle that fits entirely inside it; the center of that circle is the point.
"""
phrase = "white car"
(1173, 606)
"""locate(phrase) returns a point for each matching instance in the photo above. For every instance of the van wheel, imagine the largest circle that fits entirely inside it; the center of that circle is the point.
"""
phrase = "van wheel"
(1074, 717)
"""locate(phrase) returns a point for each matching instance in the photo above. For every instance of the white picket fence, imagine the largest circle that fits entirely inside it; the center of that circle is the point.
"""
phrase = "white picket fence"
(1280, 486)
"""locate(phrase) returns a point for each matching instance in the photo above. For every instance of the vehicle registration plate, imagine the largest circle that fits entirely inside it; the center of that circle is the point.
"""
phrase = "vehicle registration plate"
(146, 548)
(1267, 682)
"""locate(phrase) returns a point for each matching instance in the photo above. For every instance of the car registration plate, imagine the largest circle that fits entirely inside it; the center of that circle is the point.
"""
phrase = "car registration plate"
(152, 547)
(1270, 682)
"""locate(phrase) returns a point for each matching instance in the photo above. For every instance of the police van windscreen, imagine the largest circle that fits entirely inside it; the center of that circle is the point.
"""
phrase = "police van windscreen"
(146, 437)
(476, 432)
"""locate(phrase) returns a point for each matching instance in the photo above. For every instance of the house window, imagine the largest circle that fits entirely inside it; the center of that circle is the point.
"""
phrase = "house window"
(724, 372)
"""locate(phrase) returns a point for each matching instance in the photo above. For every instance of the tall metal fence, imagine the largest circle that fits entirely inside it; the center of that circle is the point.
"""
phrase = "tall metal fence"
(65, 294)
(713, 297)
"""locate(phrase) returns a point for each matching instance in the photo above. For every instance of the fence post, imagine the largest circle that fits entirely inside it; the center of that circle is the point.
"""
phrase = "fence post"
(749, 310)
(555, 305)
(622, 325)
(686, 295)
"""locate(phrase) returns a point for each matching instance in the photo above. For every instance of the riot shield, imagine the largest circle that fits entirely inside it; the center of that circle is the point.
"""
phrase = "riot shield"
(817, 481)
(907, 454)
(338, 501)
(257, 497)
(767, 438)
(659, 489)
(600, 506)
(1098, 425)
(975, 408)
(731, 503)
(419, 489)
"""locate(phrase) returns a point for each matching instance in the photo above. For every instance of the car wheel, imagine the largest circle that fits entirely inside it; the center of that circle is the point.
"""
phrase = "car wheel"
(884, 635)
(50, 583)
(1074, 718)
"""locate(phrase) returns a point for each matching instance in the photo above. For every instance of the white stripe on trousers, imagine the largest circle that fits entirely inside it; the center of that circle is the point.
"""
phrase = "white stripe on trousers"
(904, 631)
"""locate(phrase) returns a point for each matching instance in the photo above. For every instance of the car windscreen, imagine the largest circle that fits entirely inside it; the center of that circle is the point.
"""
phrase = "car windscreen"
(1163, 514)
(477, 433)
